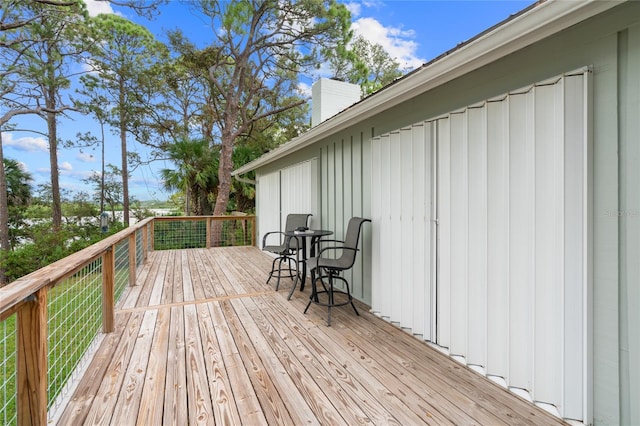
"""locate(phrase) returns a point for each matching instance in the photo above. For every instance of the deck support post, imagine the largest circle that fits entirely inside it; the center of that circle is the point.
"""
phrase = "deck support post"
(32, 361)
(208, 237)
(253, 231)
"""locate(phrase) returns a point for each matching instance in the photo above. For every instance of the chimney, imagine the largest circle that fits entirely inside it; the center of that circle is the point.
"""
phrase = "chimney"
(329, 97)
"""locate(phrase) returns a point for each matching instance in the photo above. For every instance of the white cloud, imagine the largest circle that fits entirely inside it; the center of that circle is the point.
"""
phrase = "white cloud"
(85, 157)
(397, 42)
(66, 166)
(304, 89)
(96, 7)
(27, 144)
(355, 8)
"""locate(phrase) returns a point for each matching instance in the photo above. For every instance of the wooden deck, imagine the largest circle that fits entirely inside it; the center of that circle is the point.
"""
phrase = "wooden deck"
(203, 340)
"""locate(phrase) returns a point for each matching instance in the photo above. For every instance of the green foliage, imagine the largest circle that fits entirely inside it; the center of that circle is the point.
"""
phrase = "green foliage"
(139, 211)
(38, 211)
(111, 189)
(258, 50)
(124, 51)
(46, 246)
(18, 198)
(81, 207)
(366, 64)
(195, 173)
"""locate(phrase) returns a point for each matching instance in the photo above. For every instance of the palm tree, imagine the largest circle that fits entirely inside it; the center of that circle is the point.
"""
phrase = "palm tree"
(196, 173)
(18, 188)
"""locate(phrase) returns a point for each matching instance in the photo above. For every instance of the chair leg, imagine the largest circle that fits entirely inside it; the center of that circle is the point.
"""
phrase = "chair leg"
(295, 282)
(351, 298)
(331, 299)
(279, 273)
(273, 269)
(330, 291)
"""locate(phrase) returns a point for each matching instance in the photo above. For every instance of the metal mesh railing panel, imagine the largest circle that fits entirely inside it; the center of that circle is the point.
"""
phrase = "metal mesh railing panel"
(180, 234)
(121, 269)
(234, 231)
(75, 319)
(8, 390)
(139, 248)
(189, 233)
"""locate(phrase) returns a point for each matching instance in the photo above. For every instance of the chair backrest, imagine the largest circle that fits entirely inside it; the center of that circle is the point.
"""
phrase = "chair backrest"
(295, 220)
(351, 238)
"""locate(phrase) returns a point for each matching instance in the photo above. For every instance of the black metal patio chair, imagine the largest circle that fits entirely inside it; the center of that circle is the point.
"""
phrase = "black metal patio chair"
(330, 266)
(286, 249)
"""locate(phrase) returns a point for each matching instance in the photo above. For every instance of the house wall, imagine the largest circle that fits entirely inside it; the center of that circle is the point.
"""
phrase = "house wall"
(610, 45)
(509, 195)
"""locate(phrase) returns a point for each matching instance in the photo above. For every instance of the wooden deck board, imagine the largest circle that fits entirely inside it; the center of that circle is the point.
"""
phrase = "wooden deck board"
(202, 339)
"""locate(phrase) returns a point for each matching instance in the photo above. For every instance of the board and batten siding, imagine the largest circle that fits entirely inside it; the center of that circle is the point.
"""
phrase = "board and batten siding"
(343, 187)
(480, 237)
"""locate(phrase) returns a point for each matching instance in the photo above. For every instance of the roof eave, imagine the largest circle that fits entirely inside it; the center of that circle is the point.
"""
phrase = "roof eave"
(540, 22)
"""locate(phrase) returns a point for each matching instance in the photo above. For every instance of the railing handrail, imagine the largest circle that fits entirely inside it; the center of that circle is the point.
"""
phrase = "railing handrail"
(19, 290)
(217, 217)
(27, 299)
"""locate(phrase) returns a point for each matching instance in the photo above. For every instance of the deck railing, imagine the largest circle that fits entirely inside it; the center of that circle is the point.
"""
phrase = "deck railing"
(50, 319)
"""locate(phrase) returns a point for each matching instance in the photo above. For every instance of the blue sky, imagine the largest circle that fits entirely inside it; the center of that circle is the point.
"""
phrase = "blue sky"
(414, 32)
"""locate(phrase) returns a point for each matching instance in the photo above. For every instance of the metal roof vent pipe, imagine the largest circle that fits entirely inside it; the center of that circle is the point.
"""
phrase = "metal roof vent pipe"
(329, 97)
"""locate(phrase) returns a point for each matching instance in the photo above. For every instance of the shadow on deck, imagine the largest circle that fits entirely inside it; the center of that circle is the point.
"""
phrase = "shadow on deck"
(202, 339)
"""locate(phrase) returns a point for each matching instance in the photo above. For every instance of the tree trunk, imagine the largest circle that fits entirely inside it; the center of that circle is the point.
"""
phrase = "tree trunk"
(125, 176)
(225, 168)
(102, 170)
(4, 217)
(224, 174)
(56, 204)
(123, 147)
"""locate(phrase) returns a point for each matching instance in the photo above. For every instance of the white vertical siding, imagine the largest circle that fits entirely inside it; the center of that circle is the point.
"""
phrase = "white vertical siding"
(289, 190)
(498, 283)
(396, 281)
(296, 189)
(510, 284)
(268, 203)
(377, 248)
(419, 208)
(459, 231)
(477, 234)
(443, 244)
(405, 210)
(400, 207)
(521, 249)
(386, 251)
(548, 242)
(575, 186)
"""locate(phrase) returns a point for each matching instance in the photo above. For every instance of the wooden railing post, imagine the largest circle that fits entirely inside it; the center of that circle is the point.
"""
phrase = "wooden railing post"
(208, 231)
(108, 285)
(32, 361)
(132, 259)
